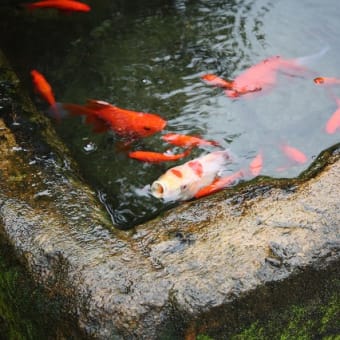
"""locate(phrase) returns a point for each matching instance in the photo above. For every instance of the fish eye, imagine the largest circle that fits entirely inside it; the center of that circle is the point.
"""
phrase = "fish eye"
(184, 186)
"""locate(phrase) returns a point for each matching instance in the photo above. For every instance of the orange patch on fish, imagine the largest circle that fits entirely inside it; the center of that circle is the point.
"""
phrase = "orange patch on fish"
(177, 173)
(196, 166)
(219, 184)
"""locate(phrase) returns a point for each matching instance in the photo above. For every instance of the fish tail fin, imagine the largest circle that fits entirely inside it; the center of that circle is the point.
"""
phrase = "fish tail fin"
(306, 60)
(29, 6)
(78, 110)
(57, 111)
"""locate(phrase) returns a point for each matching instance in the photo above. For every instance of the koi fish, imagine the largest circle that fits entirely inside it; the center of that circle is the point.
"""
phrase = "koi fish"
(256, 165)
(333, 122)
(104, 116)
(184, 181)
(263, 76)
(156, 157)
(42, 86)
(219, 184)
(294, 154)
(214, 80)
(61, 5)
(326, 81)
(186, 140)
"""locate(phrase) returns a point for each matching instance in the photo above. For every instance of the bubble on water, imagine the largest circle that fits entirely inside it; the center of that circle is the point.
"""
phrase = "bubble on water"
(90, 147)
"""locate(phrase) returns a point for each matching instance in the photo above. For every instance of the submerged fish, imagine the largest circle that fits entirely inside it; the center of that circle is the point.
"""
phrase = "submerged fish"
(326, 81)
(256, 165)
(294, 154)
(186, 140)
(61, 5)
(42, 86)
(104, 116)
(262, 76)
(214, 80)
(255, 168)
(220, 184)
(157, 157)
(184, 181)
(333, 123)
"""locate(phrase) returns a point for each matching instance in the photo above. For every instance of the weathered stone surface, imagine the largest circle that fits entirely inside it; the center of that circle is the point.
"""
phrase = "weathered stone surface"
(178, 274)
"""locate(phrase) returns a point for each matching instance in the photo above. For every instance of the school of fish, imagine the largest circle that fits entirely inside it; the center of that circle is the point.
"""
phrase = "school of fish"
(206, 174)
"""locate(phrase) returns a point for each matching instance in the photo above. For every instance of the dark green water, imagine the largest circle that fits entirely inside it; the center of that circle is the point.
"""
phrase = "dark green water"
(149, 56)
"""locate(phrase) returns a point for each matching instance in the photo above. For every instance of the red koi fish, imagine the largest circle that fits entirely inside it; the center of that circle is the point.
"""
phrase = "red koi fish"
(256, 165)
(61, 5)
(156, 157)
(213, 80)
(220, 184)
(186, 140)
(294, 154)
(104, 116)
(326, 81)
(333, 122)
(42, 87)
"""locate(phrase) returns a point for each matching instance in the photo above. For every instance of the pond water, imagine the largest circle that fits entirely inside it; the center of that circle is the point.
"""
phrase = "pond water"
(150, 57)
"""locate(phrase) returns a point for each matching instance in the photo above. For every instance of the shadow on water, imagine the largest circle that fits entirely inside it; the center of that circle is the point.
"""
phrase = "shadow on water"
(149, 56)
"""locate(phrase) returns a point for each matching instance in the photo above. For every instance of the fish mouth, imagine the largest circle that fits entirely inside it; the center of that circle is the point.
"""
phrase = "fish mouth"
(157, 189)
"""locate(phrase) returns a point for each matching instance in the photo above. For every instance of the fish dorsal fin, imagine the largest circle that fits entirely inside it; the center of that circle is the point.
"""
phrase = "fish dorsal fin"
(196, 166)
(94, 104)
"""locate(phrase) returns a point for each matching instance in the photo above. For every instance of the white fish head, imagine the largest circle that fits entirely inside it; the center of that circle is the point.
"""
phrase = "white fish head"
(169, 188)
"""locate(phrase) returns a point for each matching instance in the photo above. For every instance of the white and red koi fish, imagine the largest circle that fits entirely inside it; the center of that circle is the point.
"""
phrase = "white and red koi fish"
(184, 181)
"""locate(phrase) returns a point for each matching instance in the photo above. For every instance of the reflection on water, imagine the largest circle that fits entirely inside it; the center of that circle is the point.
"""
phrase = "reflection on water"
(152, 60)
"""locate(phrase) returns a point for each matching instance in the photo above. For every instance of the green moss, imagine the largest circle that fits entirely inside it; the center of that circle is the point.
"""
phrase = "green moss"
(316, 319)
(26, 310)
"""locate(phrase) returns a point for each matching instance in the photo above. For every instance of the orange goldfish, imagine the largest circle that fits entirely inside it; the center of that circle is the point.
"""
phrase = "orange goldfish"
(186, 141)
(184, 181)
(326, 81)
(61, 5)
(104, 116)
(213, 80)
(156, 157)
(256, 165)
(220, 184)
(43, 87)
(333, 122)
(294, 154)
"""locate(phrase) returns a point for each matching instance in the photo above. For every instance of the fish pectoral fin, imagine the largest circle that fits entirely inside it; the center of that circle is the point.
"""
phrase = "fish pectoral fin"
(98, 124)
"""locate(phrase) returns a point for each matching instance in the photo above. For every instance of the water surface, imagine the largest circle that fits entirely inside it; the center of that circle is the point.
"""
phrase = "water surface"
(150, 58)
